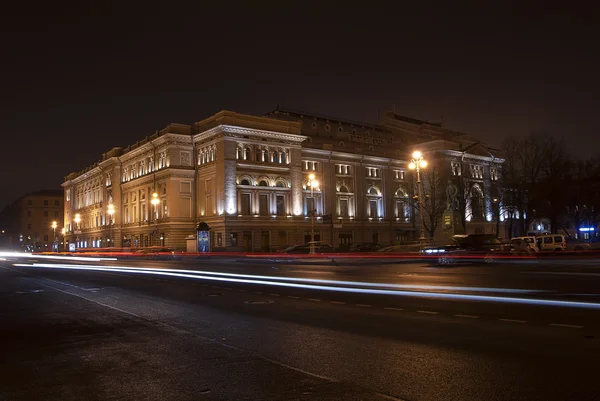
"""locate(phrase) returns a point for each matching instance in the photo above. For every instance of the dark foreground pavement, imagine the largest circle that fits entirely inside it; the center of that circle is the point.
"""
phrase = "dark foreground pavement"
(77, 335)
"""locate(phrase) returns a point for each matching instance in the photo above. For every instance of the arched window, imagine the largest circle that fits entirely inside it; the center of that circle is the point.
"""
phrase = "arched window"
(281, 183)
(239, 154)
(344, 188)
(275, 156)
(374, 191)
(245, 181)
(263, 183)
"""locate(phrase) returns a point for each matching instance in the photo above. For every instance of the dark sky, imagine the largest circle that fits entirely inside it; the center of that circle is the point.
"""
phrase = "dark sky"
(78, 81)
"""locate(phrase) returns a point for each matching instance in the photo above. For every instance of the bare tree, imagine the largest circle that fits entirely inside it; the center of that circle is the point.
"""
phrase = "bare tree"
(533, 178)
(434, 197)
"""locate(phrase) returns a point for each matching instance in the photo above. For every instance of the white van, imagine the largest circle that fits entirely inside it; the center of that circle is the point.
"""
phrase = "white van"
(551, 242)
(525, 244)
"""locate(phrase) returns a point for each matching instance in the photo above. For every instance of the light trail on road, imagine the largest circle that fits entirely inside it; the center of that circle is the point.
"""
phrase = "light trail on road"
(355, 290)
(337, 282)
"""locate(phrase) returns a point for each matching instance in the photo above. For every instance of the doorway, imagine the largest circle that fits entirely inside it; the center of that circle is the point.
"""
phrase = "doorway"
(247, 241)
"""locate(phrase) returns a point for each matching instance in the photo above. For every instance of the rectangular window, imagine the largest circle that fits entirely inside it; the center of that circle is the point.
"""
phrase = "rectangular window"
(263, 205)
(372, 172)
(399, 174)
(219, 239)
(342, 169)
(373, 208)
(29, 226)
(234, 239)
(344, 207)
(280, 205)
(493, 174)
(455, 166)
(46, 237)
(56, 214)
(29, 213)
(56, 203)
(245, 204)
(310, 165)
(308, 235)
(45, 213)
(402, 211)
(45, 202)
(345, 238)
(29, 202)
(476, 171)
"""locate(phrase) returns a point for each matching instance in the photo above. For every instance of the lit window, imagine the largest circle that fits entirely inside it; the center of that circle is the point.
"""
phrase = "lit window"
(493, 173)
(476, 171)
(455, 166)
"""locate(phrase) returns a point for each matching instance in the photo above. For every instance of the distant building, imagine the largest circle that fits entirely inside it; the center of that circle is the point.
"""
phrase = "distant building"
(247, 177)
(26, 224)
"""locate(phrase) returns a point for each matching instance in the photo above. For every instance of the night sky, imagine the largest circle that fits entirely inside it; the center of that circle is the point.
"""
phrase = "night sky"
(77, 82)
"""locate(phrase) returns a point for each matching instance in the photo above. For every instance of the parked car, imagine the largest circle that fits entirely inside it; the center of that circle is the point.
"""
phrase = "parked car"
(551, 242)
(305, 249)
(476, 248)
(364, 247)
(158, 253)
(400, 248)
(526, 244)
(576, 245)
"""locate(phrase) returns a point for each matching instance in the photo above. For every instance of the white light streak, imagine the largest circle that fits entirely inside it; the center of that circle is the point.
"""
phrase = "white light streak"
(468, 297)
(316, 281)
(53, 257)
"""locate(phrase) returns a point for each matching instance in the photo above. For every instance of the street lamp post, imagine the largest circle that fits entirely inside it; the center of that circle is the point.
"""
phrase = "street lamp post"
(313, 183)
(77, 220)
(417, 163)
(54, 243)
(155, 201)
(111, 211)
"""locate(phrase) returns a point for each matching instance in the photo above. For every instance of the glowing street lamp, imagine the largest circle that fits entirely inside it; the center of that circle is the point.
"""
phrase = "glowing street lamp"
(313, 184)
(417, 163)
(54, 225)
(77, 220)
(111, 211)
(155, 201)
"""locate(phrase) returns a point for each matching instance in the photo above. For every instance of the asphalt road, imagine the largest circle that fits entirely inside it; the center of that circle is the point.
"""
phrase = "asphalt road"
(272, 331)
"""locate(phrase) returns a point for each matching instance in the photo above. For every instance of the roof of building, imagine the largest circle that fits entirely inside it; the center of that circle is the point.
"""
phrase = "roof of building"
(280, 109)
(45, 192)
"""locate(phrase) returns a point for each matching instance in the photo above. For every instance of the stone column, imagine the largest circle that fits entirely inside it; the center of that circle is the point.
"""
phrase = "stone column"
(296, 181)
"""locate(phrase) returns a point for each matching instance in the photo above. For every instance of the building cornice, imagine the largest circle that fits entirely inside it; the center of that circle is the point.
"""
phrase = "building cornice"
(235, 130)
(264, 167)
(490, 159)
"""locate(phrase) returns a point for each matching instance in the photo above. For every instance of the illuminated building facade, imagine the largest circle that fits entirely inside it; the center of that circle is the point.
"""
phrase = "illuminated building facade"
(247, 177)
